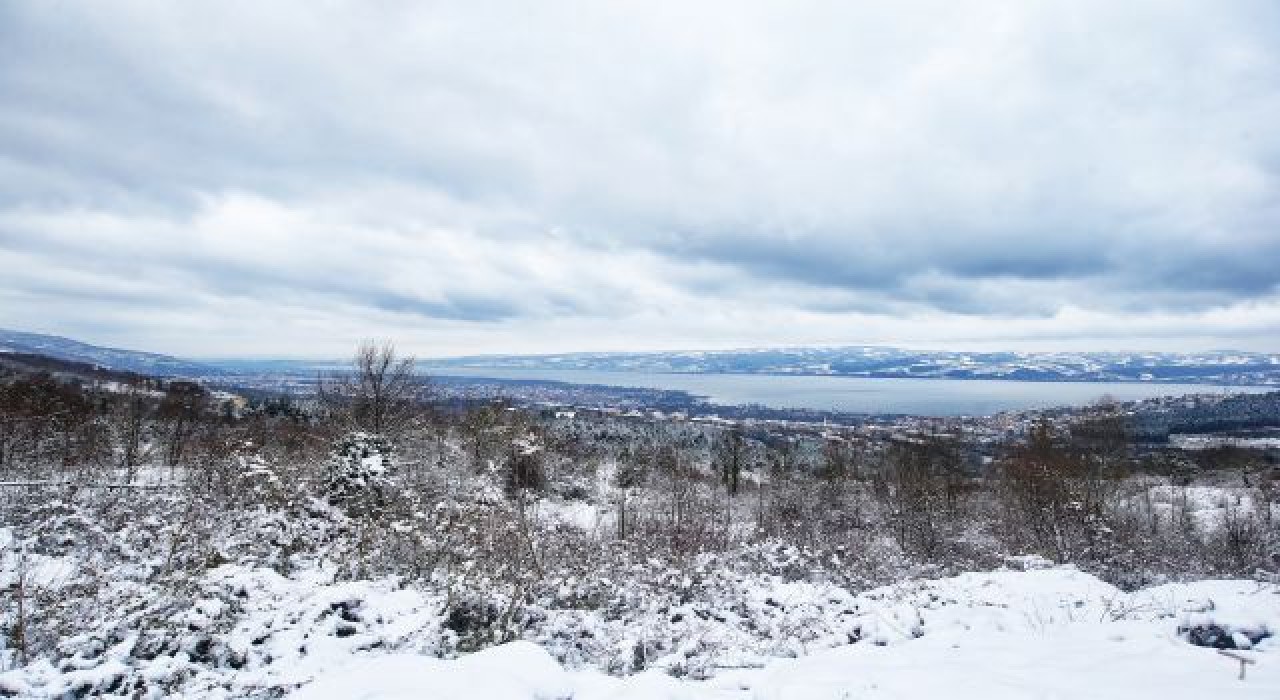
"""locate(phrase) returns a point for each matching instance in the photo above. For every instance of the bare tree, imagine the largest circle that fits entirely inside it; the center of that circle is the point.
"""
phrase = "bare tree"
(180, 410)
(1103, 443)
(131, 410)
(838, 461)
(923, 480)
(730, 455)
(1045, 485)
(378, 394)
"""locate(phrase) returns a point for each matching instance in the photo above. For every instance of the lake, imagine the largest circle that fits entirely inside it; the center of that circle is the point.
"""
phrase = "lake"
(931, 397)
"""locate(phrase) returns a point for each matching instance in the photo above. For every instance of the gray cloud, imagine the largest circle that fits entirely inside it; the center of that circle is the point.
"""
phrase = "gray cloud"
(622, 175)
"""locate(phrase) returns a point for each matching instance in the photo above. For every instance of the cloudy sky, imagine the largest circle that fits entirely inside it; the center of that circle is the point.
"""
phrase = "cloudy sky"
(285, 179)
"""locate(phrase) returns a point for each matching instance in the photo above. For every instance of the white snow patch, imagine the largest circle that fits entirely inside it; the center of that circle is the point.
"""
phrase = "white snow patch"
(1054, 633)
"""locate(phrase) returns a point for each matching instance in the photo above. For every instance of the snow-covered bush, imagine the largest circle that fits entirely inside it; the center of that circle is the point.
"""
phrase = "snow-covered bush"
(359, 473)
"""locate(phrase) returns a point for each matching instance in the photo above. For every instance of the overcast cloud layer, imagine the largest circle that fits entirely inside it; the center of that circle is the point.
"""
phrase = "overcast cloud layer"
(274, 178)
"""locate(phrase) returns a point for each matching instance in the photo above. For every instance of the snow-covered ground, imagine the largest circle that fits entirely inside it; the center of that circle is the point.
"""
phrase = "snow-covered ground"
(1207, 442)
(1043, 632)
(1127, 663)
(1208, 507)
(1052, 633)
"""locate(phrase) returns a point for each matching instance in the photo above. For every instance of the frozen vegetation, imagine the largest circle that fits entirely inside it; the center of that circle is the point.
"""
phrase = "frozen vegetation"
(158, 540)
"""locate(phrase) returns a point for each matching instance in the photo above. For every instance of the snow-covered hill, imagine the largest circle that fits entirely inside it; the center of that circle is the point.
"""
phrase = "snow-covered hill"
(169, 593)
(1054, 633)
(868, 361)
(1225, 367)
(1041, 632)
(107, 358)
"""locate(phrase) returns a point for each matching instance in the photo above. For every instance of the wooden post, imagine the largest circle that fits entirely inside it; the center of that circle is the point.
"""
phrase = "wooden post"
(1238, 657)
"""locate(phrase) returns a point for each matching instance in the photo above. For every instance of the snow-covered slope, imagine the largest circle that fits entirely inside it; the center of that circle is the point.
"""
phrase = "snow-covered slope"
(1039, 634)
(108, 358)
(1053, 633)
(1124, 664)
(870, 361)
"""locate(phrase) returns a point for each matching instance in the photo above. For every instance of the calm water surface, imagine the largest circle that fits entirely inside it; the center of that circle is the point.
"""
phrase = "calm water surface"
(937, 397)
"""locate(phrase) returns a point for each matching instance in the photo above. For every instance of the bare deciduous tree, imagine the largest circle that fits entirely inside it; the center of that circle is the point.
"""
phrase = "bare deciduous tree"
(923, 481)
(180, 410)
(378, 394)
(731, 455)
(131, 410)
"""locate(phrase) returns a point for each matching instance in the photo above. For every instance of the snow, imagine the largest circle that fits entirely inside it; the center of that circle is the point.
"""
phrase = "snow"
(1038, 631)
(1121, 660)
(1128, 660)
(1206, 442)
(1047, 633)
(1206, 506)
(1052, 633)
(585, 516)
(518, 671)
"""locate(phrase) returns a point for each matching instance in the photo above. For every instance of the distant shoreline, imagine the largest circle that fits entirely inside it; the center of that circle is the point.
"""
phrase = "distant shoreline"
(428, 370)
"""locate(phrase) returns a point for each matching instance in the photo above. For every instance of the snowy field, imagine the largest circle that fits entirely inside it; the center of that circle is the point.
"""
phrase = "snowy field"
(1039, 633)
(1207, 442)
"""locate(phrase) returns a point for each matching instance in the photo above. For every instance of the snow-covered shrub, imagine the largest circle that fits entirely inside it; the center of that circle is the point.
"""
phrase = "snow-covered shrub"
(1229, 622)
(1215, 636)
(473, 623)
(359, 473)
(258, 482)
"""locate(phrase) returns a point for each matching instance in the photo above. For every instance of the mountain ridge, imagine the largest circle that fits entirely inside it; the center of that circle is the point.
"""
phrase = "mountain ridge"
(1213, 367)
(62, 348)
(1226, 367)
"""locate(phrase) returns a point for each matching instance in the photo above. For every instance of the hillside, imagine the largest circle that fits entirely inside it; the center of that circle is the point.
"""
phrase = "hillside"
(1224, 367)
(868, 361)
(107, 358)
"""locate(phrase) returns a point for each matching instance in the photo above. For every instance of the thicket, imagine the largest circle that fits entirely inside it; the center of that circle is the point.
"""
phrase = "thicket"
(165, 481)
